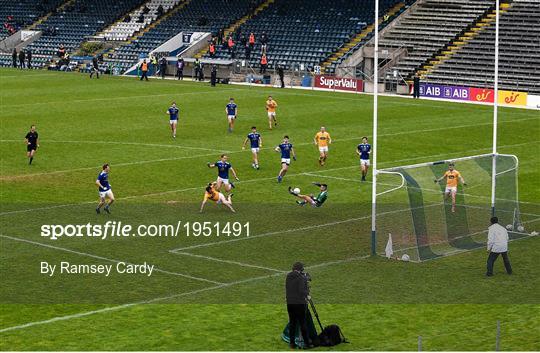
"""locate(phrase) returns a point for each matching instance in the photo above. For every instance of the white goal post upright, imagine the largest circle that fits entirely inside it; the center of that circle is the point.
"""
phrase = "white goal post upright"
(374, 141)
(495, 109)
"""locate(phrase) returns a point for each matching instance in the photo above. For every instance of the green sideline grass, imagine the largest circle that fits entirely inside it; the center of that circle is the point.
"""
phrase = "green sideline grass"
(237, 304)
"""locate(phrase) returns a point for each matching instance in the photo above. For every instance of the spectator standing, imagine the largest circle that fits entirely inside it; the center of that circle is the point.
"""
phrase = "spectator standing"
(212, 49)
(416, 86)
(95, 67)
(144, 70)
(61, 51)
(497, 244)
(264, 64)
(29, 58)
(243, 40)
(180, 68)
(248, 52)
(251, 40)
(220, 37)
(163, 67)
(154, 64)
(230, 45)
(22, 59)
(14, 58)
(213, 75)
(197, 68)
(281, 75)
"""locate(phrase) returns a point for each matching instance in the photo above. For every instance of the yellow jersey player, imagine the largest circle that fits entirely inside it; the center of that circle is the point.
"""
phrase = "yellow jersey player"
(322, 139)
(452, 176)
(271, 106)
(212, 194)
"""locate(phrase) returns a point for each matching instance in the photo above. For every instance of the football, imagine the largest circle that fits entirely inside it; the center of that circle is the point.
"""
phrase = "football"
(509, 227)
(405, 257)
(296, 191)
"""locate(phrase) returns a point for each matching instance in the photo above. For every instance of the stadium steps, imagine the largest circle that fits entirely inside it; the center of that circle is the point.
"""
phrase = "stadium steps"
(461, 40)
(138, 34)
(237, 24)
(44, 18)
(325, 66)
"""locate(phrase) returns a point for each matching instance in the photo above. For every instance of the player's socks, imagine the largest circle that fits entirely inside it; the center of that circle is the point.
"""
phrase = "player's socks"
(31, 159)
(98, 211)
(232, 185)
(106, 208)
(279, 178)
(257, 166)
(301, 203)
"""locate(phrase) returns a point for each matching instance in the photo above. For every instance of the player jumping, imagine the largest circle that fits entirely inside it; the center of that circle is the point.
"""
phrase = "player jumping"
(223, 173)
(271, 106)
(32, 143)
(256, 143)
(364, 150)
(105, 190)
(173, 118)
(452, 177)
(286, 149)
(322, 139)
(232, 110)
(212, 194)
(311, 199)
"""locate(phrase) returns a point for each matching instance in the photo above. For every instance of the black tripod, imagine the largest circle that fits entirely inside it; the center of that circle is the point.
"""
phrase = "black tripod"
(315, 312)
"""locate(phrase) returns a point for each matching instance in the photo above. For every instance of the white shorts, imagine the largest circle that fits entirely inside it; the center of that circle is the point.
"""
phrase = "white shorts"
(255, 149)
(451, 189)
(364, 162)
(287, 161)
(223, 181)
(323, 149)
(104, 194)
(231, 117)
(173, 122)
(221, 198)
(271, 115)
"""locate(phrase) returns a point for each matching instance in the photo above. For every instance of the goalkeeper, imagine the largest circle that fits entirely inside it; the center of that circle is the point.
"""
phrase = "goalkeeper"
(452, 177)
(311, 199)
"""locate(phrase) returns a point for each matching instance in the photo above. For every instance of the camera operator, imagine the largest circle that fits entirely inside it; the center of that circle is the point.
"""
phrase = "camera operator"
(297, 292)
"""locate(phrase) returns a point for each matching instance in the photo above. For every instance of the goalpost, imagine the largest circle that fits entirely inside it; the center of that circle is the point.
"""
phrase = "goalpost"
(408, 200)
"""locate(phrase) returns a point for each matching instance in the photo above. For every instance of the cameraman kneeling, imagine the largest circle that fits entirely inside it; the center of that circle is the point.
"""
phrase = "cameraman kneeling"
(296, 291)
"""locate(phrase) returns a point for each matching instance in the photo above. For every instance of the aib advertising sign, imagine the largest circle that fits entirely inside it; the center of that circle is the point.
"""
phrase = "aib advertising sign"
(339, 83)
(446, 92)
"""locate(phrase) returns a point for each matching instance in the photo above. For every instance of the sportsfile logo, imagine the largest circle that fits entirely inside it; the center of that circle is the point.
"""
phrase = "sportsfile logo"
(121, 230)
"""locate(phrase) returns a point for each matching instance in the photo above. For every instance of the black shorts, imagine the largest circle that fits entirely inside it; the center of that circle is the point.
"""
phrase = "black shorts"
(30, 148)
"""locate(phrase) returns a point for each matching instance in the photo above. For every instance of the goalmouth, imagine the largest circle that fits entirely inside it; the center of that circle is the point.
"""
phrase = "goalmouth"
(413, 212)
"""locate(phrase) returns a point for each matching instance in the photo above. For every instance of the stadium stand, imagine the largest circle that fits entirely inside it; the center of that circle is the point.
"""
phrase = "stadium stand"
(286, 23)
(189, 15)
(138, 19)
(74, 22)
(472, 62)
(16, 15)
(428, 26)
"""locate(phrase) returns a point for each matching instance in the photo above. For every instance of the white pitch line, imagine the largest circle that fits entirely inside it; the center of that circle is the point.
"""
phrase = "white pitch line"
(128, 144)
(160, 299)
(122, 97)
(242, 264)
(293, 230)
(265, 148)
(105, 258)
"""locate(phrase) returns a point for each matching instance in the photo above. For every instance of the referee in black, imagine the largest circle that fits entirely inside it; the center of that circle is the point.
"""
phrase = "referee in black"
(296, 291)
(32, 143)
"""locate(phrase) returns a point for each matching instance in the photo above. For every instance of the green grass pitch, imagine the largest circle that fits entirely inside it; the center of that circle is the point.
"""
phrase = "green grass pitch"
(226, 293)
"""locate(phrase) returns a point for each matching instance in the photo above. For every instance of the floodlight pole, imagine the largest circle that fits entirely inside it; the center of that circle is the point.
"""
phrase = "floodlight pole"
(495, 111)
(375, 118)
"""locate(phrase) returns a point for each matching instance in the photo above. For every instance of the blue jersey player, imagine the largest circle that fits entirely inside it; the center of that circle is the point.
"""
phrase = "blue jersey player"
(173, 117)
(364, 150)
(223, 167)
(104, 189)
(232, 111)
(286, 149)
(255, 141)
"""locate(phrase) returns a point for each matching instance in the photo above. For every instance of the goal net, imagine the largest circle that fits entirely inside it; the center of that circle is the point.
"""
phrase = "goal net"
(412, 208)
